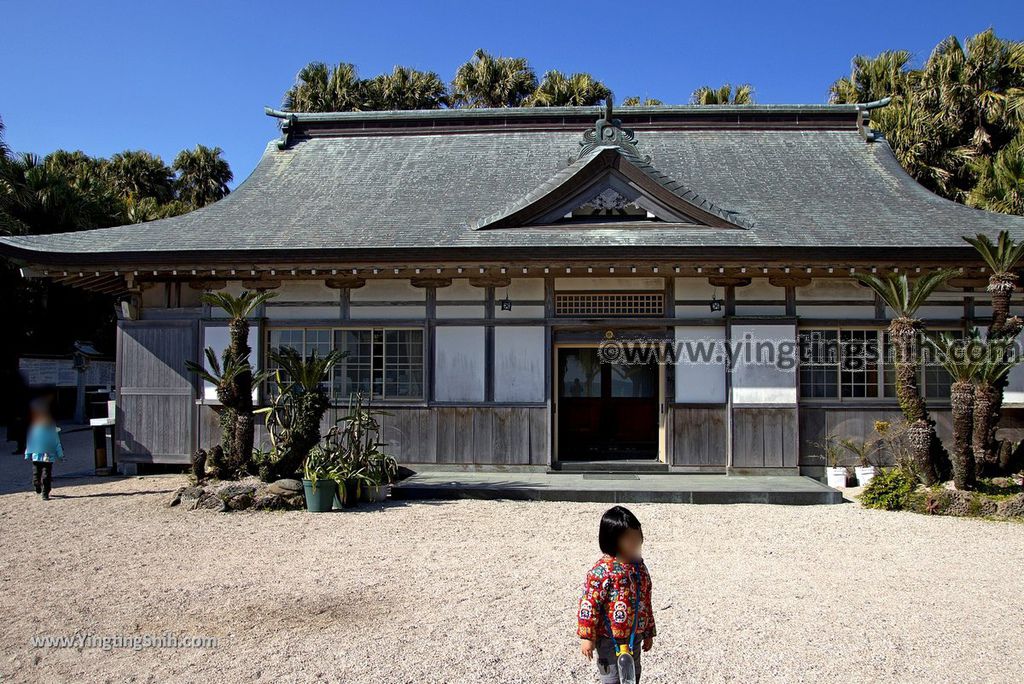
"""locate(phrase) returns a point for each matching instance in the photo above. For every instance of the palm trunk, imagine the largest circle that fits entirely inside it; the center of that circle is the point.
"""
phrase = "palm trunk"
(921, 432)
(983, 439)
(244, 425)
(1000, 286)
(962, 401)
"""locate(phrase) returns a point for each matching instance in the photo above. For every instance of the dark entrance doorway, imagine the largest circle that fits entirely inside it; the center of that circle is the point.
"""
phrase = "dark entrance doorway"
(605, 411)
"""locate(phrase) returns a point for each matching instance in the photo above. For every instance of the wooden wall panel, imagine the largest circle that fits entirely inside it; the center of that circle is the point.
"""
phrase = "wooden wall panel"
(765, 438)
(467, 435)
(853, 423)
(155, 407)
(699, 436)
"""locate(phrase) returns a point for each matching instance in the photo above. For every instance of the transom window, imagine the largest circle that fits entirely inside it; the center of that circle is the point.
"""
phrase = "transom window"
(382, 363)
(577, 304)
(851, 364)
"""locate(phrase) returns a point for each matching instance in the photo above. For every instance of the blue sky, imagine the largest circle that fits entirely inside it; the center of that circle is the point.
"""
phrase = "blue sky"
(106, 76)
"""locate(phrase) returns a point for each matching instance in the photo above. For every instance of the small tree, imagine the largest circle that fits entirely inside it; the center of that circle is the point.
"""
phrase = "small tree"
(962, 360)
(293, 419)
(988, 392)
(1002, 258)
(905, 298)
(234, 377)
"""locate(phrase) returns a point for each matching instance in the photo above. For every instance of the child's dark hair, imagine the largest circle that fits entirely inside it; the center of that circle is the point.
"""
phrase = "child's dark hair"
(614, 523)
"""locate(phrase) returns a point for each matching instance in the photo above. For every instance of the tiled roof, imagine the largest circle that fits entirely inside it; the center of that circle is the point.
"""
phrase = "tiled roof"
(412, 187)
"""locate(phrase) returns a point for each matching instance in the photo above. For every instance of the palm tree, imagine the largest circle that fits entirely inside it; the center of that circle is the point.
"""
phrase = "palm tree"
(637, 101)
(234, 388)
(988, 398)
(406, 88)
(1002, 259)
(488, 81)
(320, 88)
(947, 119)
(976, 87)
(293, 421)
(138, 174)
(873, 78)
(203, 175)
(575, 90)
(706, 95)
(905, 298)
(5, 151)
(48, 199)
(1000, 185)
(962, 359)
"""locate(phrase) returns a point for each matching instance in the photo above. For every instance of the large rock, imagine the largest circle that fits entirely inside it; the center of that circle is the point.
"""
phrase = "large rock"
(175, 498)
(286, 487)
(1012, 507)
(190, 496)
(211, 502)
(234, 489)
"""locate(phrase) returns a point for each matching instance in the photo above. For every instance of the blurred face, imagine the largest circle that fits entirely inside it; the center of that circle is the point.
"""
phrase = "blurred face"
(631, 544)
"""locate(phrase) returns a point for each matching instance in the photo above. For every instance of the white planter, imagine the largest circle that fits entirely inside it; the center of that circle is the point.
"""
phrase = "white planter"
(836, 477)
(864, 475)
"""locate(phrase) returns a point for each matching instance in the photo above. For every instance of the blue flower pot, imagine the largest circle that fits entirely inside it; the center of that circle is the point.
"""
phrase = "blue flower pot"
(321, 498)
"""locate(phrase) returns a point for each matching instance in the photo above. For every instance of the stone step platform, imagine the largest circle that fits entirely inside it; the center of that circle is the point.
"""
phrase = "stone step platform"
(624, 466)
(616, 487)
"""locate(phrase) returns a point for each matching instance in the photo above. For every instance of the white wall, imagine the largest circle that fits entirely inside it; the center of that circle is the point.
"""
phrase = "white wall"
(763, 383)
(699, 383)
(818, 300)
(760, 290)
(519, 363)
(459, 363)
(699, 291)
(216, 336)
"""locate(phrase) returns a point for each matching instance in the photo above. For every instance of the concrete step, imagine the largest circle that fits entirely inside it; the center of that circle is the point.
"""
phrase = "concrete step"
(617, 488)
(632, 466)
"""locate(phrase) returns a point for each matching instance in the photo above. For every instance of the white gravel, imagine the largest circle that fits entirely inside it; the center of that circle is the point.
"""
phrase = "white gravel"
(480, 591)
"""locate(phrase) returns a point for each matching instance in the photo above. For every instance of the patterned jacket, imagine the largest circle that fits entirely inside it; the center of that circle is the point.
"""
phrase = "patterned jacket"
(43, 444)
(609, 593)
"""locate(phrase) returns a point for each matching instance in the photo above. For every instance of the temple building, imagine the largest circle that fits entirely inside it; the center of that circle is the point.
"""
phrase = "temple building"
(477, 265)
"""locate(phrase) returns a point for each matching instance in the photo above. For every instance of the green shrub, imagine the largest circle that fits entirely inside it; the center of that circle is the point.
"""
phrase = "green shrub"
(890, 490)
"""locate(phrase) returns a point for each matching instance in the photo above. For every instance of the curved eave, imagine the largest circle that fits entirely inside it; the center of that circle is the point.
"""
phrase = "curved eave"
(52, 264)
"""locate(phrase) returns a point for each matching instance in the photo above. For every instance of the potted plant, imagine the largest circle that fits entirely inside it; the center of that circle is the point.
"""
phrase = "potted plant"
(351, 479)
(318, 478)
(864, 451)
(372, 469)
(835, 474)
(381, 472)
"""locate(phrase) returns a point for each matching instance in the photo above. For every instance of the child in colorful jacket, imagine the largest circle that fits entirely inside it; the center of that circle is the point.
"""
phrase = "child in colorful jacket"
(42, 447)
(616, 596)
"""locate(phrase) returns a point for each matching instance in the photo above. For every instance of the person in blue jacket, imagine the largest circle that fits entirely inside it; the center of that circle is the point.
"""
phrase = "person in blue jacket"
(42, 446)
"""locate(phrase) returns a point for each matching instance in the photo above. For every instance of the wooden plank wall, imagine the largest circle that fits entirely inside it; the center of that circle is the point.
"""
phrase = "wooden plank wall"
(852, 423)
(440, 435)
(698, 436)
(468, 435)
(765, 437)
(155, 406)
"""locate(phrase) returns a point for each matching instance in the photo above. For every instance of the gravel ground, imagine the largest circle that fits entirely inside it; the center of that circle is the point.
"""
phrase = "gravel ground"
(485, 591)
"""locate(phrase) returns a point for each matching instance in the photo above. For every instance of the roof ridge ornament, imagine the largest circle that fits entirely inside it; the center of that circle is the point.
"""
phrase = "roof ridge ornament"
(608, 132)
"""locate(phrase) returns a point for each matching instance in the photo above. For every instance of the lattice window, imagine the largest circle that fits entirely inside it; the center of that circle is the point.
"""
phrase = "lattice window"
(589, 304)
(382, 363)
(859, 363)
(819, 362)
